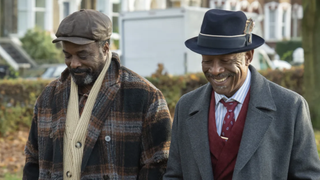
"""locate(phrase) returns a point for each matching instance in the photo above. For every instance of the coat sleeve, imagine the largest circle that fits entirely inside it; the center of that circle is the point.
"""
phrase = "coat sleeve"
(304, 163)
(174, 166)
(156, 135)
(31, 168)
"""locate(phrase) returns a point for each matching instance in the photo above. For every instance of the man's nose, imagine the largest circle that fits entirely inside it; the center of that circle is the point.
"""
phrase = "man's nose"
(75, 63)
(216, 68)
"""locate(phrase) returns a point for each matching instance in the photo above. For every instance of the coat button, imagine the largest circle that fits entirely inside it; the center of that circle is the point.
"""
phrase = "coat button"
(78, 145)
(107, 138)
(106, 177)
(69, 175)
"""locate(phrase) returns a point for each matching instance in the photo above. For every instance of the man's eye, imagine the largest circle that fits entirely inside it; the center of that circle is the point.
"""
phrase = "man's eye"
(83, 57)
(67, 56)
(206, 62)
(224, 60)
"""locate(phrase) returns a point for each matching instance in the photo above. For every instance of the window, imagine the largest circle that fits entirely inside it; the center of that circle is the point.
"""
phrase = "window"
(34, 13)
(115, 7)
(40, 3)
(115, 15)
(40, 9)
(219, 7)
(66, 9)
(285, 20)
(215, 4)
(23, 20)
(297, 14)
(233, 5)
(284, 15)
(272, 24)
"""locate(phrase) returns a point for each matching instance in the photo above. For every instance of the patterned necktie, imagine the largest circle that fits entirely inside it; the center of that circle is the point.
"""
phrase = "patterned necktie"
(229, 118)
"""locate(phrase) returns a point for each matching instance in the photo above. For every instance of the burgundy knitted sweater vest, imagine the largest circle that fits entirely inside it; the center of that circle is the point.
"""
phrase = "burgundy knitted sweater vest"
(224, 153)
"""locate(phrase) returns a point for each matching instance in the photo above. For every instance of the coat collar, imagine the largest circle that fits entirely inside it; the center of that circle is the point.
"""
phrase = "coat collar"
(257, 123)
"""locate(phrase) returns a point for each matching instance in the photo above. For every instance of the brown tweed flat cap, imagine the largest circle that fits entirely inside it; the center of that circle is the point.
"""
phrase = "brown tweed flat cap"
(84, 27)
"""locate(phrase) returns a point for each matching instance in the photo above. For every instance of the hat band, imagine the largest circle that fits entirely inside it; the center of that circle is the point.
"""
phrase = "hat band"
(224, 42)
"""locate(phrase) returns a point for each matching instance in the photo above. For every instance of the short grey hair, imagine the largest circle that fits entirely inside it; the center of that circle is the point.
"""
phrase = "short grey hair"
(103, 42)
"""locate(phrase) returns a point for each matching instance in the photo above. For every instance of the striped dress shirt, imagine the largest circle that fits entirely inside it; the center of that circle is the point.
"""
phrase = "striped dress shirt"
(239, 96)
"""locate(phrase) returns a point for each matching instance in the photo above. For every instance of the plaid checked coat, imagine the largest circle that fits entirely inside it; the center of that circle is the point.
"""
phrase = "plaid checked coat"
(129, 110)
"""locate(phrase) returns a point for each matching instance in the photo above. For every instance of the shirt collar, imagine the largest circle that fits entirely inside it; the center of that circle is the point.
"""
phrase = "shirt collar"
(240, 95)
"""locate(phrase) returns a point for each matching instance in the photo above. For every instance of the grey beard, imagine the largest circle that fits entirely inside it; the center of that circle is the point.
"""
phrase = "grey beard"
(88, 79)
(81, 82)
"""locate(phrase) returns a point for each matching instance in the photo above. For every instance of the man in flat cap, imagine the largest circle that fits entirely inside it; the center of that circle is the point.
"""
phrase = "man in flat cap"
(99, 120)
(239, 126)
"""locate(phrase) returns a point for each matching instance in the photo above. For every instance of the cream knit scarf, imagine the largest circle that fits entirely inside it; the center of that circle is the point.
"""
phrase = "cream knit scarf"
(76, 128)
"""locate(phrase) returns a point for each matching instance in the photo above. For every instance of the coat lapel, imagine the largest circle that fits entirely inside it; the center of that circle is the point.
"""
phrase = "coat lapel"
(197, 126)
(59, 110)
(257, 121)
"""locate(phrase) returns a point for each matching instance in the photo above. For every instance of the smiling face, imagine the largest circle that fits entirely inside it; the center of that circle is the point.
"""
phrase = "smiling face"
(226, 73)
(85, 62)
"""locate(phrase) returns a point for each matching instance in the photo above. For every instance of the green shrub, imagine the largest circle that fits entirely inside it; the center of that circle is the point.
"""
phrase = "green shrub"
(288, 78)
(285, 49)
(173, 87)
(11, 74)
(9, 176)
(17, 96)
(13, 118)
(38, 44)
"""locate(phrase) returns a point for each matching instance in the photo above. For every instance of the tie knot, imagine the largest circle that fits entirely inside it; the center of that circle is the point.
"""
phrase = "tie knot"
(229, 105)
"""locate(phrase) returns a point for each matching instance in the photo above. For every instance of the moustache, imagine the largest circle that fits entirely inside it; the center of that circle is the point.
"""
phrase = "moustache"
(219, 76)
(77, 70)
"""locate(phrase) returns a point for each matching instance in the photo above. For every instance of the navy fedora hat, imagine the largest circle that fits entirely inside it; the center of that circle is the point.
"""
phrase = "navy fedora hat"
(224, 32)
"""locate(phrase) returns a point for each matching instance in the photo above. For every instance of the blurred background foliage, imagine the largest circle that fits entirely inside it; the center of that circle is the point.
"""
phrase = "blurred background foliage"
(38, 44)
(285, 49)
(17, 96)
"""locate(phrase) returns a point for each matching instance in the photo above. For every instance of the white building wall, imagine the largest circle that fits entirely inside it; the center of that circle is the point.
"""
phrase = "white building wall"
(159, 4)
(127, 6)
(142, 5)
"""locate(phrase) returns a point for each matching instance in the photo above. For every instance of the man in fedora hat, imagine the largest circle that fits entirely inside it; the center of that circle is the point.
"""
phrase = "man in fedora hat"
(239, 126)
(99, 120)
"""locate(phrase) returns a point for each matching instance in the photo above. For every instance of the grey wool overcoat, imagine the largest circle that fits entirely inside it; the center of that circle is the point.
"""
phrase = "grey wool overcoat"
(277, 141)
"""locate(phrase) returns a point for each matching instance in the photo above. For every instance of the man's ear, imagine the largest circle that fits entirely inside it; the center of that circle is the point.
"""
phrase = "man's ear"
(249, 57)
(106, 48)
